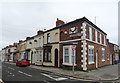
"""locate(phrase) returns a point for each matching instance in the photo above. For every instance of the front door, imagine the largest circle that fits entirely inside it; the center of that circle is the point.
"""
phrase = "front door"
(56, 57)
(31, 57)
(111, 59)
(96, 60)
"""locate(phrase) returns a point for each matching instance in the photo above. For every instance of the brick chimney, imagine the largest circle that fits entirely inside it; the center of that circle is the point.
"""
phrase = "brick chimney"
(59, 22)
(27, 38)
(39, 32)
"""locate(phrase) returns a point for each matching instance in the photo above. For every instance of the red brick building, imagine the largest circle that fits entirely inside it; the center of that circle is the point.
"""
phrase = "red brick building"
(114, 53)
(92, 49)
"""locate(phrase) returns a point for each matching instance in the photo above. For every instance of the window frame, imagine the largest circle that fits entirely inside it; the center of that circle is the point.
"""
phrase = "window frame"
(103, 54)
(91, 55)
(70, 55)
(90, 33)
(104, 40)
(100, 38)
(96, 36)
(48, 38)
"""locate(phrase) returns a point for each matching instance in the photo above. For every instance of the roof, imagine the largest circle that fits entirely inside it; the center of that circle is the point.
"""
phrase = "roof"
(113, 44)
(81, 20)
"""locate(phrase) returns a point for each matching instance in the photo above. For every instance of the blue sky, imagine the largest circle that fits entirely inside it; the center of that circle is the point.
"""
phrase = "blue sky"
(20, 19)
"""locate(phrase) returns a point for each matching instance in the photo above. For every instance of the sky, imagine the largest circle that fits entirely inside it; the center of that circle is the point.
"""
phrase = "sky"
(20, 19)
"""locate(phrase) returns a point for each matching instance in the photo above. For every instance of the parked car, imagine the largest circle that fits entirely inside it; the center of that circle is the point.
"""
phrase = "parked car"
(23, 62)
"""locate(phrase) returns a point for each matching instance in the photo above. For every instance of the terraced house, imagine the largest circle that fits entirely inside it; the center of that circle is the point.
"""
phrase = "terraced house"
(29, 49)
(22, 47)
(51, 46)
(38, 49)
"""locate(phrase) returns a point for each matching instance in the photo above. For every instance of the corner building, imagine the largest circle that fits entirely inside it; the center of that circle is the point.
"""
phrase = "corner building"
(92, 49)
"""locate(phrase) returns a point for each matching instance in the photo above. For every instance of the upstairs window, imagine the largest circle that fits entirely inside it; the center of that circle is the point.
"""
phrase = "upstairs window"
(100, 39)
(90, 33)
(48, 38)
(96, 36)
(104, 40)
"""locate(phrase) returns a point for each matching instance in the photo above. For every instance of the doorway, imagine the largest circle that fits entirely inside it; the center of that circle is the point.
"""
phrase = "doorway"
(56, 57)
(32, 57)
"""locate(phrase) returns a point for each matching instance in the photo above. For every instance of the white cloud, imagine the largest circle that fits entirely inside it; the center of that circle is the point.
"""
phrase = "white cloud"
(22, 19)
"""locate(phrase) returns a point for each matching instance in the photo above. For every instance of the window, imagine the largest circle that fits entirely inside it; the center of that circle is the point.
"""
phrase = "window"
(96, 36)
(90, 54)
(40, 55)
(104, 40)
(73, 56)
(47, 56)
(90, 33)
(100, 39)
(69, 55)
(66, 60)
(103, 54)
(35, 40)
(48, 38)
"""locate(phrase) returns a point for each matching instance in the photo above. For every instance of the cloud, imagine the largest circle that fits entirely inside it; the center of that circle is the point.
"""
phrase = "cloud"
(22, 19)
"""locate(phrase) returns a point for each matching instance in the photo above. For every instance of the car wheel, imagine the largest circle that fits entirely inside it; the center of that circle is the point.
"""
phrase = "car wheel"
(16, 65)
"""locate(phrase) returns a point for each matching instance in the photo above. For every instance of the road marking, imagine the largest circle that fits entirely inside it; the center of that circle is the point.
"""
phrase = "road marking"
(25, 73)
(56, 79)
(11, 68)
(1, 81)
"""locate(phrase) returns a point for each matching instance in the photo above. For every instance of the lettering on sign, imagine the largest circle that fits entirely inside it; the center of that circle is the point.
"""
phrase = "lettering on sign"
(77, 34)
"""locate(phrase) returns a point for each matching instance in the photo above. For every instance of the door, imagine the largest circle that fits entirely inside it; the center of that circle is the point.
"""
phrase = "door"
(96, 60)
(32, 57)
(56, 57)
(111, 59)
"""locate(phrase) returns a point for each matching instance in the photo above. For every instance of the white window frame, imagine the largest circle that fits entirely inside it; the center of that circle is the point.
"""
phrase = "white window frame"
(66, 47)
(103, 54)
(100, 38)
(96, 36)
(48, 38)
(104, 40)
(70, 56)
(91, 55)
(90, 33)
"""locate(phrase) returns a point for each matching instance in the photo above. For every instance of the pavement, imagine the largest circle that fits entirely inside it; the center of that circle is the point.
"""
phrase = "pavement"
(14, 74)
(107, 73)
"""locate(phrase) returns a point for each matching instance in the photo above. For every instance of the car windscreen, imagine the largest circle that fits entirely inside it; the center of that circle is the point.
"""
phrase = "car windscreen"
(22, 60)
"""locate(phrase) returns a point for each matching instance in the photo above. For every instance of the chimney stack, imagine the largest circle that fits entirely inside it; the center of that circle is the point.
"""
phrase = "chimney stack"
(59, 22)
(39, 32)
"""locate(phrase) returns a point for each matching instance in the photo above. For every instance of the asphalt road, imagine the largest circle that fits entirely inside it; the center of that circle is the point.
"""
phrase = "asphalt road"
(15, 74)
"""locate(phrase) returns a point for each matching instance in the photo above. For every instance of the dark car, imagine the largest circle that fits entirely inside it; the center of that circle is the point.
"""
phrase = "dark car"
(23, 62)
